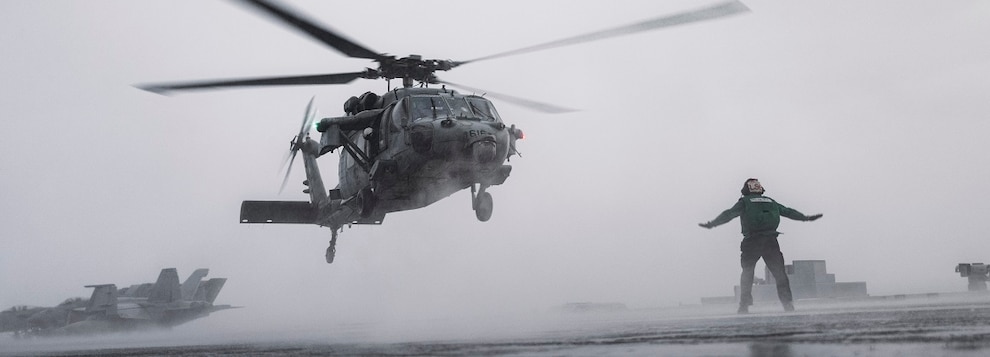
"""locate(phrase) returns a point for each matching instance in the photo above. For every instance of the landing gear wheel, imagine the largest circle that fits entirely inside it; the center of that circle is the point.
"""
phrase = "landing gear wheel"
(332, 249)
(483, 206)
(331, 252)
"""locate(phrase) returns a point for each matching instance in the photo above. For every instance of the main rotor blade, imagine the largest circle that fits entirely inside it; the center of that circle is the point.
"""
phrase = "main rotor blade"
(336, 78)
(332, 39)
(707, 13)
(526, 103)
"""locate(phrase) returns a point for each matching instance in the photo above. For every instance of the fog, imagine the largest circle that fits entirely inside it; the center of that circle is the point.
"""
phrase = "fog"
(873, 114)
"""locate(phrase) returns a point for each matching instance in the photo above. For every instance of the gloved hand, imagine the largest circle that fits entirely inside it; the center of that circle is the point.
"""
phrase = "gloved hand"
(708, 225)
(814, 217)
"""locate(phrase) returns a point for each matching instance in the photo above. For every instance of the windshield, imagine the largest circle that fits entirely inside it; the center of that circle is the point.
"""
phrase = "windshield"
(459, 107)
(428, 108)
(441, 107)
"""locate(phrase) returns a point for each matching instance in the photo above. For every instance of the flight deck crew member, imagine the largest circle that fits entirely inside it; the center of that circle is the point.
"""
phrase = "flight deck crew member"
(760, 216)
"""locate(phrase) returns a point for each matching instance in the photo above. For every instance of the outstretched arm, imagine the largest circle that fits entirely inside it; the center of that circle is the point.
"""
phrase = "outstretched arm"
(725, 216)
(795, 215)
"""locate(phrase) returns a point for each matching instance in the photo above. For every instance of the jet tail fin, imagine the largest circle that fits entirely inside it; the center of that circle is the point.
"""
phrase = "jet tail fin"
(191, 284)
(167, 288)
(103, 300)
(209, 290)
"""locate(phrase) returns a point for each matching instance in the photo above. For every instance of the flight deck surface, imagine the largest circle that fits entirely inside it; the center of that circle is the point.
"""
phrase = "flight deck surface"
(912, 327)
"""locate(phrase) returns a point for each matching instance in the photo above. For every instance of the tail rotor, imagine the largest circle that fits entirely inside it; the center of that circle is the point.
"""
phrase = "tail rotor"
(308, 119)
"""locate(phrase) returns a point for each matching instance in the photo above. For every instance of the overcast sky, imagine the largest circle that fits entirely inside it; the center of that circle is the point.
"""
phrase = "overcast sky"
(874, 114)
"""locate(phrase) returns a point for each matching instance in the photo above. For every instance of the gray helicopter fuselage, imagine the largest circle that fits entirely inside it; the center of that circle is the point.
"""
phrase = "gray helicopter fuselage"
(422, 144)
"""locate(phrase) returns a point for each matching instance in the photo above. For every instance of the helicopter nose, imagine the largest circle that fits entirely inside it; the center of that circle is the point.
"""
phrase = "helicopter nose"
(483, 151)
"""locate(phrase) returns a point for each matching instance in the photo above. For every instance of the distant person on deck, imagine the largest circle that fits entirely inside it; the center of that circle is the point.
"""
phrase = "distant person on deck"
(760, 216)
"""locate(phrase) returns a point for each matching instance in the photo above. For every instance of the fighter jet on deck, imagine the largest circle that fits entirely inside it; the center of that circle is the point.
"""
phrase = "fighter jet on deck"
(164, 303)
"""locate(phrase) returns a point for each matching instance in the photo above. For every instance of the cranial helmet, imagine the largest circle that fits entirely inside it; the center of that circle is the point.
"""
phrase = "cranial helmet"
(752, 186)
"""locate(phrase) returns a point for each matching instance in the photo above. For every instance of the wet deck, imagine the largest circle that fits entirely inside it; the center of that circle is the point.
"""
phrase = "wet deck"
(877, 328)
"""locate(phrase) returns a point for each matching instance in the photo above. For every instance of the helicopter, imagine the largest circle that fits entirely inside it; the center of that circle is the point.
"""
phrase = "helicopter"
(411, 146)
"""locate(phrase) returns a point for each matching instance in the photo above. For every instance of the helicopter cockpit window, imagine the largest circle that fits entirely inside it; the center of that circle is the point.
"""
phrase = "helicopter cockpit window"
(484, 109)
(460, 108)
(428, 108)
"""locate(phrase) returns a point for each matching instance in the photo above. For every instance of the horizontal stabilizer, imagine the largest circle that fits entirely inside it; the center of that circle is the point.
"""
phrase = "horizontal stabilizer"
(376, 219)
(216, 308)
(277, 212)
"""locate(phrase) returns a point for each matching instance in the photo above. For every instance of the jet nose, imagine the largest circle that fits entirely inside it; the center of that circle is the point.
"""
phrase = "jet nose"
(483, 151)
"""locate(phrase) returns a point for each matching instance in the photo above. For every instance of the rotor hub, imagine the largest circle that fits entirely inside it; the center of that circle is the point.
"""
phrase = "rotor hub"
(412, 67)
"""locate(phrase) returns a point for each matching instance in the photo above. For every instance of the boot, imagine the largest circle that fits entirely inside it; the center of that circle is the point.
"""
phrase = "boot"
(789, 307)
(743, 309)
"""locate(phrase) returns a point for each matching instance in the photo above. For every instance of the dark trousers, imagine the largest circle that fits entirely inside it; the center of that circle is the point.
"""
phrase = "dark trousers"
(762, 246)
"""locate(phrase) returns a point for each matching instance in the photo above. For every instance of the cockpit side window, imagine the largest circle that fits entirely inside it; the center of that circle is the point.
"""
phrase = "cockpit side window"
(483, 109)
(387, 127)
(397, 113)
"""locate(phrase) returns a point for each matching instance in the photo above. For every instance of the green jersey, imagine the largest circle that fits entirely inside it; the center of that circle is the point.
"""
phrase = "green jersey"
(758, 214)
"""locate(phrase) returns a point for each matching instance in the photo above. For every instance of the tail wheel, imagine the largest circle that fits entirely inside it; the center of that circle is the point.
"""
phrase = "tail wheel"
(483, 206)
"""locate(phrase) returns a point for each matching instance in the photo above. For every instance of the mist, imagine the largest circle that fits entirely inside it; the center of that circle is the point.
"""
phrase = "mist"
(872, 114)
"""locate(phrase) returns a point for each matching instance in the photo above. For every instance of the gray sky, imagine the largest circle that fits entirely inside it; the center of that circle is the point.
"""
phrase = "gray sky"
(874, 114)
